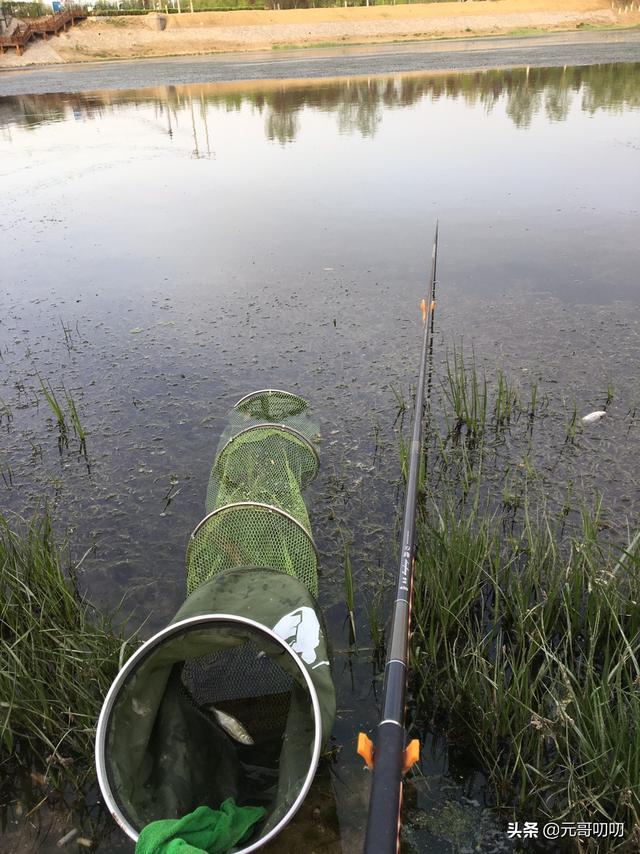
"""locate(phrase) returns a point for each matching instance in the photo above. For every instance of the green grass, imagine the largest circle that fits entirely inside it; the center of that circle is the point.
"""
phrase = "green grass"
(75, 422)
(376, 629)
(526, 627)
(61, 418)
(58, 658)
(58, 413)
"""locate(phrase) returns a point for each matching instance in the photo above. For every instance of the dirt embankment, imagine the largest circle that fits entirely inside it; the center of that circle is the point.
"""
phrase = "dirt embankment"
(210, 32)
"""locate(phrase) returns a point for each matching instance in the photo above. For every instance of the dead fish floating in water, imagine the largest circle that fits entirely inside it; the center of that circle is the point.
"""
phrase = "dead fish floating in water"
(593, 417)
(232, 726)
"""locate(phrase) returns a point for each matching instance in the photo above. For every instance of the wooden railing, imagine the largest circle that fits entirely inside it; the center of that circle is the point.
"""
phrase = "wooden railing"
(50, 25)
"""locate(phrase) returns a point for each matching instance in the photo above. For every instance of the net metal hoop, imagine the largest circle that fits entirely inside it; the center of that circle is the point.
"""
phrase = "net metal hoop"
(260, 506)
(269, 425)
(249, 397)
(136, 659)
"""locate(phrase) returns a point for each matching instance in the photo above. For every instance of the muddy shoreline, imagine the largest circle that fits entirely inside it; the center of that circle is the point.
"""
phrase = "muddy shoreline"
(586, 48)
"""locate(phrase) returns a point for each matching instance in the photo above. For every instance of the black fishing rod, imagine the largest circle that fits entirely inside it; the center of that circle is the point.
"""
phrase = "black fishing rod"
(390, 758)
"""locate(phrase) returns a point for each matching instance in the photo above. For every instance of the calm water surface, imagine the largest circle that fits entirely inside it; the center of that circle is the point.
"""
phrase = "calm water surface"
(164, 251)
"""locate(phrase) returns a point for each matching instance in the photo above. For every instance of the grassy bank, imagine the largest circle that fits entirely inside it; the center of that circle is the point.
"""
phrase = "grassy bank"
(58, 660)
(526, 645)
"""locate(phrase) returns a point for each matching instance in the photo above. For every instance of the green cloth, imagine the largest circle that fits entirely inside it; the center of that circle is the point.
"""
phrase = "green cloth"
(203, 830)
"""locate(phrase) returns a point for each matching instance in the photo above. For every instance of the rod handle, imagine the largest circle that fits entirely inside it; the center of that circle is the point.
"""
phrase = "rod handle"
(383, 823)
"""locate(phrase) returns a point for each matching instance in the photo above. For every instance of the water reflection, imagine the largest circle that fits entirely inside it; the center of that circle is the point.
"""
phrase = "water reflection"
(172, 248)
(358, 104)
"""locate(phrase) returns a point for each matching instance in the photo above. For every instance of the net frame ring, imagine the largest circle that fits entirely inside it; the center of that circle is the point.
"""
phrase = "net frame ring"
(271, 425)
(298, 404)
(141, 654)
(270, 509)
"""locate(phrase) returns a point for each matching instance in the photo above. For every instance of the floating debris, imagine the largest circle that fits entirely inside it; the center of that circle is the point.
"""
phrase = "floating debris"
(593, 417)
(66, 838)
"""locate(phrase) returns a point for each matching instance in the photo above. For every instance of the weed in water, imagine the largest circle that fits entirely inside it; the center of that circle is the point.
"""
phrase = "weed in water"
(610, 391)
(6, 414)
(36, 448)
(6, 472)
(171, 493)
(467, 396)
(529, 643)
(376, 629)
(348, 590)
(505, 402)
(571, 426)
(525, 636)
(401, 406)
(56, 408)
(75, 422)
(68, 339)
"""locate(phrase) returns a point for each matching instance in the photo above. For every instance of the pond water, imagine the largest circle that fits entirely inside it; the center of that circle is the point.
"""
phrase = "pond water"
(165, 251)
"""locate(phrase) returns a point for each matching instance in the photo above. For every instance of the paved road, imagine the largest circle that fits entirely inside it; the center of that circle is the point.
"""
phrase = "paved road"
(584, 48)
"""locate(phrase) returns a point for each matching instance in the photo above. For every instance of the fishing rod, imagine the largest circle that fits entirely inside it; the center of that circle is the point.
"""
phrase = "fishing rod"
(391, 757)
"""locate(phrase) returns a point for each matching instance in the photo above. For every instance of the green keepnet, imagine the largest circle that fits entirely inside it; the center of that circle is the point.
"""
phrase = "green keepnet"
(166, 755)
(211, 735)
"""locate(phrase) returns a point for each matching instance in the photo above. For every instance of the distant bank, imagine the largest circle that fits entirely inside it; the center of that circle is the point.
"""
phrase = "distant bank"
(204, 33)
(476, 54)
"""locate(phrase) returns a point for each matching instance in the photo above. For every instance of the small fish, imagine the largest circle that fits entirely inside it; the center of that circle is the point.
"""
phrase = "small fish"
(592, 417)
(232, 726)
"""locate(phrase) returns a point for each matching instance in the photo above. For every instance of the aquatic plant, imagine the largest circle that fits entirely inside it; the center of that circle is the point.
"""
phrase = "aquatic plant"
(68, 337)
(526, 625)
(6, 413)
(6, 472)
(376, 629)
(75, 422)
(58, 657)
(528, 642)
(348, 589)
(401, 405)
(571, 426)
(610, 393)
(467, 394)
(56, 409)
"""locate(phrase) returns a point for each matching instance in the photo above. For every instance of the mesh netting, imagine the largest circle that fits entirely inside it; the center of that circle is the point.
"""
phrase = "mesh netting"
(267, 464)
(286, 432)
(243, 682)
(251, 534)
(235, 699)
(217, 710)
(271, 404)
(207, 677)
(256, 515)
